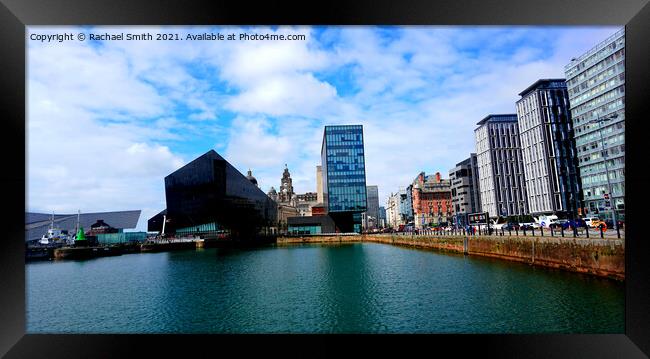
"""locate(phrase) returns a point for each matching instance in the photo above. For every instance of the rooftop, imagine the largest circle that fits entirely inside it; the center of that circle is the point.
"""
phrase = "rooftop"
(544, 83)
(498, 118)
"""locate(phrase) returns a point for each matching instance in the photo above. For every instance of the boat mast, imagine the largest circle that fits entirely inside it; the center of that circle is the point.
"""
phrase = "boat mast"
(77, 229)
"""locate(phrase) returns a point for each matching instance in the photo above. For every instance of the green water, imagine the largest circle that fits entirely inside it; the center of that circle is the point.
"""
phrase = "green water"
(349, 288)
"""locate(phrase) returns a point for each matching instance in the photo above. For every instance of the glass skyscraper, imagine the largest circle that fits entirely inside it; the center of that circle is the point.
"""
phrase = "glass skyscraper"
(344, 176)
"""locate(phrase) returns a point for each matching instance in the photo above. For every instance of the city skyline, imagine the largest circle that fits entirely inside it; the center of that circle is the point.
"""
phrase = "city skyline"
(134, 112)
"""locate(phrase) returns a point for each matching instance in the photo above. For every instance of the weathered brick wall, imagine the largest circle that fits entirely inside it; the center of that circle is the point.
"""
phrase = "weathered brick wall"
(601, 257)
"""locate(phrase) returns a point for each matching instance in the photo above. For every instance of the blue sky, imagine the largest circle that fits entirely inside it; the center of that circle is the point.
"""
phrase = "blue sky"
(108, 120)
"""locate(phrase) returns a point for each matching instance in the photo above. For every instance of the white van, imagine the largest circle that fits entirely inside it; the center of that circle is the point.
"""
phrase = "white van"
(588, 220)
(546, 221)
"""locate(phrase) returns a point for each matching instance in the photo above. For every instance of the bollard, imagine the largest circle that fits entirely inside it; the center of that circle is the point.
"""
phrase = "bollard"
(532, 231)
(587, 231)
(602, 234)
(509, 232)
(551, 228)
(562, 230)
(618, 231)
(524, 232)
(502, 232)
(575, 232)
(541, 230)
(516, 232)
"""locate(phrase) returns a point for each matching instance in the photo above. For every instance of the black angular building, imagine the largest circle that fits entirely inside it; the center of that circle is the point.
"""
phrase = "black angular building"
(209, 196)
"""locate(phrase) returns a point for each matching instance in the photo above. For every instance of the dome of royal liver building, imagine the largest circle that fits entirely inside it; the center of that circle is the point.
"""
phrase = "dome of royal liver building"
(250, 177)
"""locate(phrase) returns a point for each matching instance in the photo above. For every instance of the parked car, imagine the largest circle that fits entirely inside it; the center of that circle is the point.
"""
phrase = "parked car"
(560, 223)
(525, 227)
(510, 227)
(589, 220)
(528, 226)
(579, 223)
(498, 226)
(597, 223)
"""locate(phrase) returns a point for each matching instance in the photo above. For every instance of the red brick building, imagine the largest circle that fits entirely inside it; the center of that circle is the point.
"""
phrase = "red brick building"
(431, 200)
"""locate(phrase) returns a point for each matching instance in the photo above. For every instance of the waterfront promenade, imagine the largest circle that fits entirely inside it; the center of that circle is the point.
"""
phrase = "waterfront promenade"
(600, 257)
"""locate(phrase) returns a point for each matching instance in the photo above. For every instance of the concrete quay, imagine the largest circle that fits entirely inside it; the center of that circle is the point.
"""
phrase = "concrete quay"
(599, 257)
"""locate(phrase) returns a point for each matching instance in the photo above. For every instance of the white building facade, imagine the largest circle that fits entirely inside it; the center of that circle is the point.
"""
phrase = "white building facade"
(500, 166)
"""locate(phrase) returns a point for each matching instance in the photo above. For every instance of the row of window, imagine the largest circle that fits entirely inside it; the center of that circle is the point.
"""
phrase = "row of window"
(599, 106)
(618, 189)
(304, 229)
(608, 141)
(600, 77)
(348, 150)
(595, 133)
(598, 167)
(343, 140)
(597, 155)
(596, 90)
(601, 177)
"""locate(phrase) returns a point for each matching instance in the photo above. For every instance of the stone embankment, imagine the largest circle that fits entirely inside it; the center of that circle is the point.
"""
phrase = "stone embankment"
(600, 257)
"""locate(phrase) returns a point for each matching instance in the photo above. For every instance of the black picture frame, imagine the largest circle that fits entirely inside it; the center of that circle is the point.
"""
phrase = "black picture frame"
(15, 15)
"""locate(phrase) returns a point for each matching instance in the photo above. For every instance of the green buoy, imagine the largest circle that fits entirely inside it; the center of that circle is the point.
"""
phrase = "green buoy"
(80, 235)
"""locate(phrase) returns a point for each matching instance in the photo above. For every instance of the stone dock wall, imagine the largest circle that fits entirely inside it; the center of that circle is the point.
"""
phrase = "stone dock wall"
(600, 257)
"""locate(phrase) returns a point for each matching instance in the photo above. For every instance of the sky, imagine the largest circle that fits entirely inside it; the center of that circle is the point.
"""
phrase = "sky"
(108, 120)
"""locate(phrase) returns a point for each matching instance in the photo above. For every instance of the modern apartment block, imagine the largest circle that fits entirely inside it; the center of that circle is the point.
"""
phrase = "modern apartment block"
(500, 166)
(548, 149)
(596, 87)
(465, 194)
(344, 176)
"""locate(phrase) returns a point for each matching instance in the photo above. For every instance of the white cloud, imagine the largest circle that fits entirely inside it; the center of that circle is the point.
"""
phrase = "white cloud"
(253, 145)
(285, 95)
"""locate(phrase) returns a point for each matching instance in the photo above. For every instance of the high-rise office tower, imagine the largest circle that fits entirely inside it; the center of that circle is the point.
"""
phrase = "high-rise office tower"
(344, 176)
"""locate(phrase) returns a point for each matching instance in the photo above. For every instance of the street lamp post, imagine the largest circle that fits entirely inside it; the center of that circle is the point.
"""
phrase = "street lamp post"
(605, 157)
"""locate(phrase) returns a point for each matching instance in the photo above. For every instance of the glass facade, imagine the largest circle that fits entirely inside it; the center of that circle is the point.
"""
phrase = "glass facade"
(344, 174)
(344, 169)
(200, 228)
(304, 229)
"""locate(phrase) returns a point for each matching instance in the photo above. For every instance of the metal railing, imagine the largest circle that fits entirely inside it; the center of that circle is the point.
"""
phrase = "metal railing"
(570, 232)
